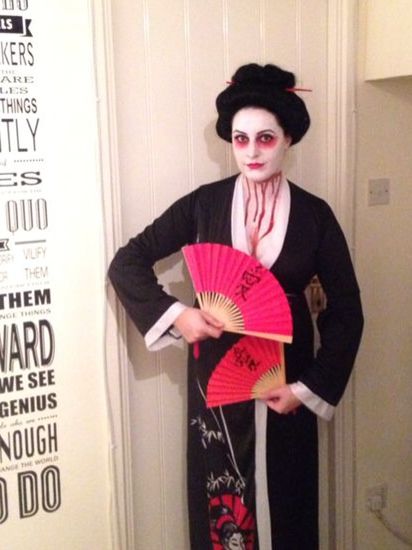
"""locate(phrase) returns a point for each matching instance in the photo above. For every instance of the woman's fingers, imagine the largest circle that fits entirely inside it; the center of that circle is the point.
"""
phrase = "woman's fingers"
(213, 327)
(211, 320)
(281, 400)
(196, 325)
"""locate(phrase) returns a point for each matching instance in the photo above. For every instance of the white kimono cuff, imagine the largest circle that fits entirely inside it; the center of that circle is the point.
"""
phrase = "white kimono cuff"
(162, 333)
(312, 401)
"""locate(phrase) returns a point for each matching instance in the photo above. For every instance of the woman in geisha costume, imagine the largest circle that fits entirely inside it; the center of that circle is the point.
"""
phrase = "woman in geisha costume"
(258, 460)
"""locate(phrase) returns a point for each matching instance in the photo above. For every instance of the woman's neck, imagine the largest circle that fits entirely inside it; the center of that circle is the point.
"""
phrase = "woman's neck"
(260, 202)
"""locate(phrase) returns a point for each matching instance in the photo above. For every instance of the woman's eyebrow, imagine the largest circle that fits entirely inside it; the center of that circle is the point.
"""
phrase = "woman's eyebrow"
(258, 133)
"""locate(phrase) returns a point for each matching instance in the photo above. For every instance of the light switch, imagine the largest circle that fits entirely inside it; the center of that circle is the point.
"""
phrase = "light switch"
(378, 191)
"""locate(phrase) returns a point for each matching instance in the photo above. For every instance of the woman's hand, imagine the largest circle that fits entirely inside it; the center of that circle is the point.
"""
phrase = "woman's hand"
(196, 325)
(282, 400)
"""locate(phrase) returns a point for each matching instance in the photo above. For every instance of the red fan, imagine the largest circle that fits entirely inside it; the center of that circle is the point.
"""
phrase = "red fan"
(239, 291)
(251, 367)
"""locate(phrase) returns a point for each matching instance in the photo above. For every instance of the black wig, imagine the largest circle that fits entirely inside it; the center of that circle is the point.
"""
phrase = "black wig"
(268, 87)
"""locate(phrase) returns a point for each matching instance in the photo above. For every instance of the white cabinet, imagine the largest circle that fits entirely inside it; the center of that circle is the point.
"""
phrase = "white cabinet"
(388, 39)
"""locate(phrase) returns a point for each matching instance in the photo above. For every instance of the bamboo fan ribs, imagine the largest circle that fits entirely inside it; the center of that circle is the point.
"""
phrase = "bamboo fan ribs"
(239, 291)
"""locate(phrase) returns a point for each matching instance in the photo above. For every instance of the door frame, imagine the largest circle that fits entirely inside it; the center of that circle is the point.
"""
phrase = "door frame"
(341, 124)
(116, 357)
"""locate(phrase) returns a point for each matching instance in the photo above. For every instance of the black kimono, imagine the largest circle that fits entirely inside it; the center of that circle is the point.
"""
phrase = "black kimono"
(225, 505)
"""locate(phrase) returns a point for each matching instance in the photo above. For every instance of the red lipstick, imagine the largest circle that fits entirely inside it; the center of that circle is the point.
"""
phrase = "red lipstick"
(255, 165)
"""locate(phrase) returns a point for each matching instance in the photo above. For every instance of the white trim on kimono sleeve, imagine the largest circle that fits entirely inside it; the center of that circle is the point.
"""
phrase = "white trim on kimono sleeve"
(161, 334)
(312, 401)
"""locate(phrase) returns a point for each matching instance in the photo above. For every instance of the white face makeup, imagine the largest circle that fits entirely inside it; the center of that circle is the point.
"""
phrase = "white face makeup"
(259, 143)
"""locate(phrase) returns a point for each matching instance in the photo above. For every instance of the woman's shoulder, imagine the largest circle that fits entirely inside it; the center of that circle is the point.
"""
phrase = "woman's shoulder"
(220, 187)
(208, 192)
(311, 209)
(305, 199)
(216, 194)
(302, 194)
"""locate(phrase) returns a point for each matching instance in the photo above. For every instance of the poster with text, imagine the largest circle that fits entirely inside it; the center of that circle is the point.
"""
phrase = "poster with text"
(51, 364)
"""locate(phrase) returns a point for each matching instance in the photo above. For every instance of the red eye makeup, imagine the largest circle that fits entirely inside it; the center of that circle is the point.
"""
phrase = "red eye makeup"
(240, 140)
(263, 141)
(267, 141)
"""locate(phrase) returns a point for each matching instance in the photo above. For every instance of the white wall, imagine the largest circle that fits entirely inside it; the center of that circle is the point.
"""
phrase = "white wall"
(384, 266)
